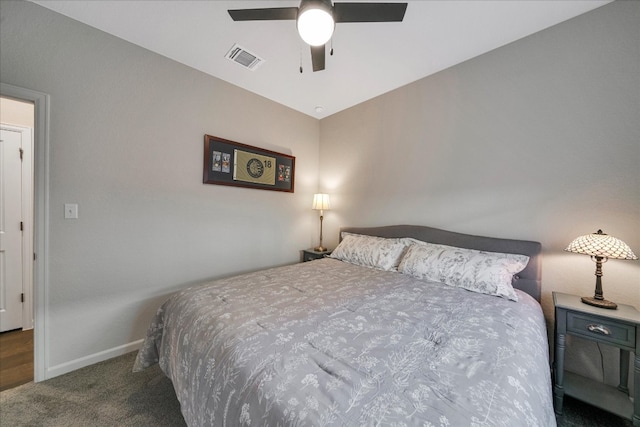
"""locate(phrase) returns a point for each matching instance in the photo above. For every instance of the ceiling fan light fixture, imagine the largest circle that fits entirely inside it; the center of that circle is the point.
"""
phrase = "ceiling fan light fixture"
(315, 22)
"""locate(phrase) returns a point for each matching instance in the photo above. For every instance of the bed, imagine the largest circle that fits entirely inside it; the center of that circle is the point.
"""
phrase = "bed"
(401, 326)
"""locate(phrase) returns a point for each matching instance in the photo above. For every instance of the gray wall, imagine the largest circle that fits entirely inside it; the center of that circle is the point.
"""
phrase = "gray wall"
(127, 131)
(538, 140)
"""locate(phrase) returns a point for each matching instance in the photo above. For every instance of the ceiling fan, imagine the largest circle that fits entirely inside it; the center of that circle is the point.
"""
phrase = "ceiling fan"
(316, 20)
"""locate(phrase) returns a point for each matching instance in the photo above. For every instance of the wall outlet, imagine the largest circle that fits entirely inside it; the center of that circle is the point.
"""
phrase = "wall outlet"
(70, 211)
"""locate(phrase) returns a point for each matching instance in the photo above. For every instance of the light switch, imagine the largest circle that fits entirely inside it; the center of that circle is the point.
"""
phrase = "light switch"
(70, 211)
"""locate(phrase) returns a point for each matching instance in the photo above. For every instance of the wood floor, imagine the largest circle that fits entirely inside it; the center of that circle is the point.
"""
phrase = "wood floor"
(16, 358)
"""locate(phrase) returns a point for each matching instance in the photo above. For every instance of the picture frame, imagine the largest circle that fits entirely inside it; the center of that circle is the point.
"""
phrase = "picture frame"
(240, 165)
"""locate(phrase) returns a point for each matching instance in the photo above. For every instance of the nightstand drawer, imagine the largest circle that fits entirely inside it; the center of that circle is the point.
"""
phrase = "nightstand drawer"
(310, 257)
(604, 330)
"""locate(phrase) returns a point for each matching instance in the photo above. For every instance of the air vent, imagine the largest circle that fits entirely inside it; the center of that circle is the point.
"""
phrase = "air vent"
(242, 56)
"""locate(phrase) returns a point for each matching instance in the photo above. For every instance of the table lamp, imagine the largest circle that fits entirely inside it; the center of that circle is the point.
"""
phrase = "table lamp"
(320, 203)
(600, 247)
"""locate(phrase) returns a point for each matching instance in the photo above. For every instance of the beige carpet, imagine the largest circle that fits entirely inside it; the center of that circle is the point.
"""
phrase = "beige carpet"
(108, 394)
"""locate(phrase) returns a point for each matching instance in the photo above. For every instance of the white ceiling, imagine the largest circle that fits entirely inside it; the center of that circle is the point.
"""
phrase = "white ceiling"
(369, 58)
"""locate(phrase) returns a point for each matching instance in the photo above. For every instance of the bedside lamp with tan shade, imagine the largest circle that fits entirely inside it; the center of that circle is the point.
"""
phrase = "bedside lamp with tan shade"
(601, 247)
(321, 203)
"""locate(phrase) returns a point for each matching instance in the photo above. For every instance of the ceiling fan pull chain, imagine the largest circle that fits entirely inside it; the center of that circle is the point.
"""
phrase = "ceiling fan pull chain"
(331, 51)
(300, 60)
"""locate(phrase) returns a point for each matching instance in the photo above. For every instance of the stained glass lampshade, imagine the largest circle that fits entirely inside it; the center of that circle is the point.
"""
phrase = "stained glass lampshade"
(600, 247)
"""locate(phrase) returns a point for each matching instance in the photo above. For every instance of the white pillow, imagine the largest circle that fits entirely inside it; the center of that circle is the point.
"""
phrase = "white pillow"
(478, 271)
(370, 251)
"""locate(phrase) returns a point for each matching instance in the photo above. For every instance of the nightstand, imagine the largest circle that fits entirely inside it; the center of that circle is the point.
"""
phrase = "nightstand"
(619, 328)
(310, 255)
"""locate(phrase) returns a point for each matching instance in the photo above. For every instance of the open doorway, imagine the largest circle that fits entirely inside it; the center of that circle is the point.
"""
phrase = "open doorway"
(41, 103)
(17, 122)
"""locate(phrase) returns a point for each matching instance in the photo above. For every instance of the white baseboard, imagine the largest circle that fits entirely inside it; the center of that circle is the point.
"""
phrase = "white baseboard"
(91, 359)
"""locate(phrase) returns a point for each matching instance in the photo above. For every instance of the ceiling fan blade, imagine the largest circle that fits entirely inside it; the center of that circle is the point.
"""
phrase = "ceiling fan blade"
(271, 14)
(369, 12)
(317, 57)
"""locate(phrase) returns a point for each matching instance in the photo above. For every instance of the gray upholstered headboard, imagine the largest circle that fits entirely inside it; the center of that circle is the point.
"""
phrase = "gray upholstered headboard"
(528, 280)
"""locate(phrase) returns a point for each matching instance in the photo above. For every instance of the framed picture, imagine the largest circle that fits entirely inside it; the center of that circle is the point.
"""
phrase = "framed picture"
(232, 163)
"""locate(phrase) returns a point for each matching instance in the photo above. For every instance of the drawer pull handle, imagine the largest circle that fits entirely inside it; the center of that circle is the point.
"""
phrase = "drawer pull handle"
(600, 329)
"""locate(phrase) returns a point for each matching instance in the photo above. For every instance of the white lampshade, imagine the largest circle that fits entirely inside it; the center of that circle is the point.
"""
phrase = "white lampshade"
(601, 245)
(321, 202)
(315, 24)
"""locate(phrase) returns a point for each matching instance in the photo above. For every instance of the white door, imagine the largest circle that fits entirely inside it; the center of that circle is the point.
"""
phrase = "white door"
(11, 268)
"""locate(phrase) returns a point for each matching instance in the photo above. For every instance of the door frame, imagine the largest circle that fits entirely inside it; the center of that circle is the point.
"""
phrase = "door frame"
(27, 219)
(41, 221)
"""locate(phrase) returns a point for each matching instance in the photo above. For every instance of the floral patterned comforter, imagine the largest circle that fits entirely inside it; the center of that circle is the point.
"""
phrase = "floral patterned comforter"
(327, 343)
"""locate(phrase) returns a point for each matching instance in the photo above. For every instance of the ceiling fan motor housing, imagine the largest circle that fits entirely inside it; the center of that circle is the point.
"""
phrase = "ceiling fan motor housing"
(315, 4)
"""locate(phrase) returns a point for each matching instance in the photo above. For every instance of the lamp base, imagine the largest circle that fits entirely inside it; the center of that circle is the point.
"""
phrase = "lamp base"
(320, 249)
(602, 303)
